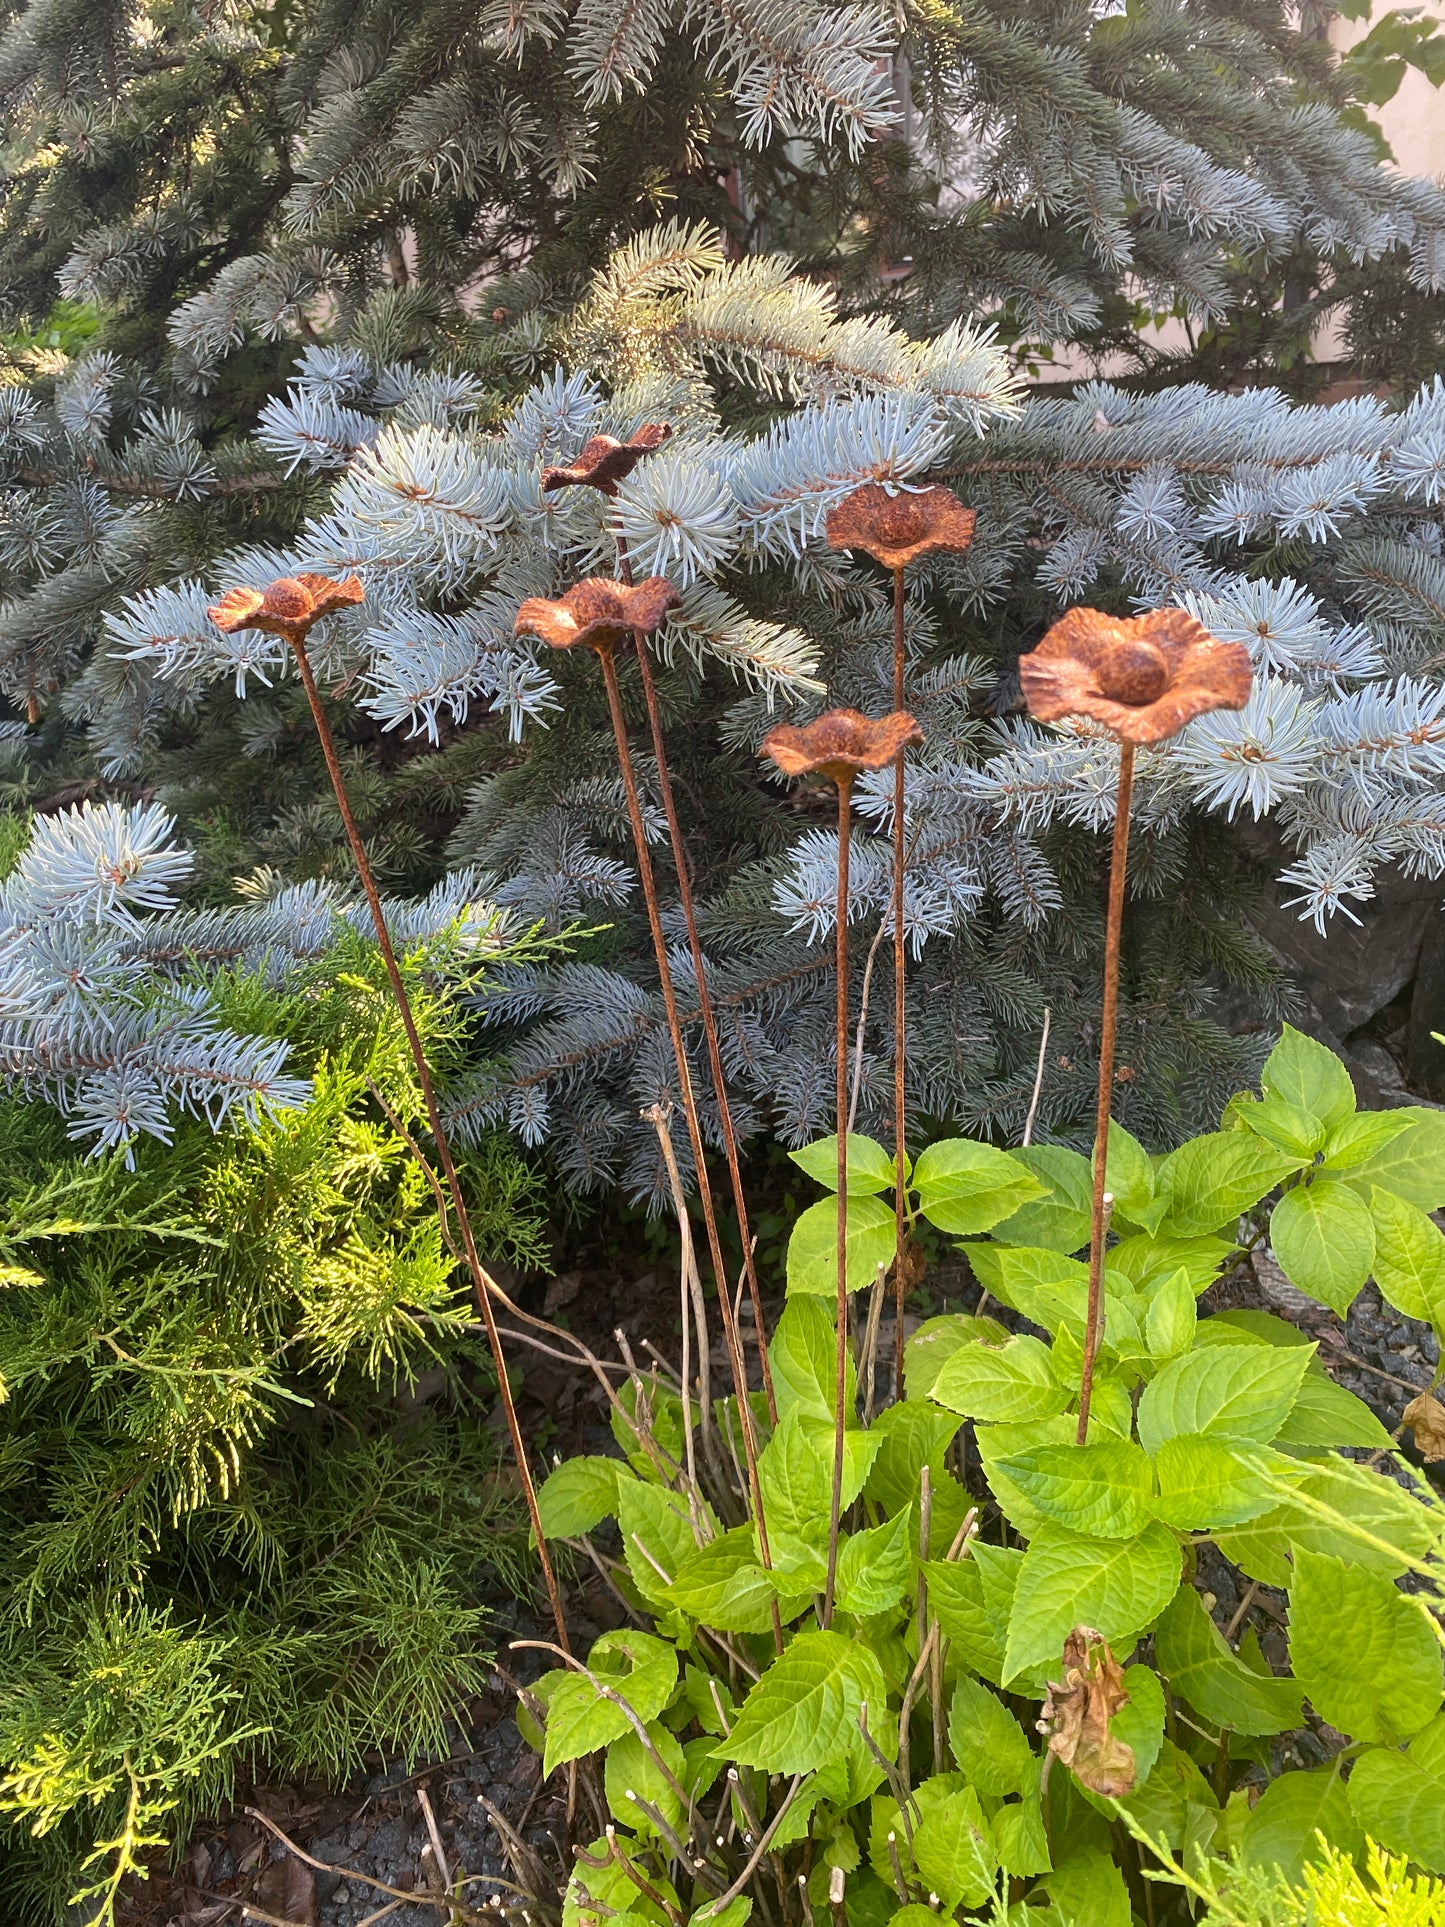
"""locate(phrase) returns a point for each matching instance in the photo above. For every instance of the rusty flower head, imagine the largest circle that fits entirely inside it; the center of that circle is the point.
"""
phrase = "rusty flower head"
(840, 744)
(289, 607)
(896, 529)
(1144, 679)
(598, 612)
(1077, 1713)
(604, 460)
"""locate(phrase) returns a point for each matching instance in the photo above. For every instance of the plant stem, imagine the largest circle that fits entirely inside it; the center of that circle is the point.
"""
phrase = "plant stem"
(1108, 1028)
(689, 1103)
(835, 1508)
(900, 1009)
(709, 1019)
(481, 1283)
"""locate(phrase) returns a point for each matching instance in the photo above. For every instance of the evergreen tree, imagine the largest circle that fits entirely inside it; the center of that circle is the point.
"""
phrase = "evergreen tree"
(383, 311)
(238, 1534)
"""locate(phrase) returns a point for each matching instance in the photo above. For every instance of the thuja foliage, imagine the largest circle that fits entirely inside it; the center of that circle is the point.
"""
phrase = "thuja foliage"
(998, 1580)
(248, 1499)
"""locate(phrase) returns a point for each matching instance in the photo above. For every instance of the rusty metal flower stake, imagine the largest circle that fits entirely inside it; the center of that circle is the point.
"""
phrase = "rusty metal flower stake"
(840, 745)
(649, 436)
(1143, 679)
(290, 608)
(896, 530)
(602, 615)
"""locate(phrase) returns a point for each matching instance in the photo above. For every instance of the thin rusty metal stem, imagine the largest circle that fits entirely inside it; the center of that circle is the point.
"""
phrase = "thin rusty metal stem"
(900, 1006)
(835, 1508)
(1109, 1025)
(709, 1019)
(480, 1281)
(689, 1105)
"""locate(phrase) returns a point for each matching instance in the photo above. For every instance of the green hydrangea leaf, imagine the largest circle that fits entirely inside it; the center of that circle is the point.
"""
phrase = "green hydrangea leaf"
(953, 1850)
(1281, 1831)
(803, 1358)
(1409, 1259)
(813, 1246)
(1412, 1164)
(1059, 1221)
(803, 1712)
(1239, 1392)
(989, 1745)
(870, 1168)
(1305, 1073)
(1193, 1655)
(1402, 1805)
(965, 1187)
(1212, 1179)
(1117, 1586)
(1104, 1487)
(1005, 1382)
(1206, 1482)
(1363, 1651)
(1324, 1238)
(875, 1567)
(579, 1495)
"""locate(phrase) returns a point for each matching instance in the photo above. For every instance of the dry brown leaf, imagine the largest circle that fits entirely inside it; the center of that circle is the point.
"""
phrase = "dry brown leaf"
(1425, 1417)
(1077, 1713)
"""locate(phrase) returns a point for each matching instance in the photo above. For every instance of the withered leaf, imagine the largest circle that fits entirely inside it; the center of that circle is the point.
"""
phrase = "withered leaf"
(1077, 1713)
(1425, 1417)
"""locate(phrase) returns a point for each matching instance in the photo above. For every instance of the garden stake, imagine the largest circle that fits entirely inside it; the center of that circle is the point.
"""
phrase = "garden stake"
(709, 1021)
(601, 614)
(652, 435)
(290, 608)
(895, 530)
(838, 745)
(1143, 680)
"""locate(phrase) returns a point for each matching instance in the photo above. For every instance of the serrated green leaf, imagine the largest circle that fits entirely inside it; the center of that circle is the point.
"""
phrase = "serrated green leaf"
(870, 1168)
(996, 1442)
(954, 1851)
(964, 1187)
(1305, 1073)
(1140, 1722)
(1192, 1653)
(1324, 1238)
(1350, 1144)
(795, 1472)
(604, 1890)
(1117, 1586)
(1145, 1261)
(1171, 1317)
(1044, 1286)
(813, 1246)
(908, 1436)
(1212, 1179)
(1412, 1165)
(1087, 1890)
(1409, 1262)
(579, 1495)
(1401, 1805)
(1298, 1133)
(1020, 1840)
(639, 1667)
(1173, 1798)
(1006, 1382)
(1060, 1220)
(1350, 1494)
(956, 1595)
(723, 1585)
(1129, 1174)
(989, 1746)
(803, 1357)
(804, 1710)
(1364, 1652)
(1207, 1482)
(1240, 1392)
(1103, 1488)
(1281, 1832)
(1325, 1414)
(936, 1340)
(631, 1768)
(875, 1567)
(657, 1536)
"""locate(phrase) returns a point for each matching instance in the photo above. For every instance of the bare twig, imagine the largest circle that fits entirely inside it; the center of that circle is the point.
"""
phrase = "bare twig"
(1038, 1080)
(840, 1041)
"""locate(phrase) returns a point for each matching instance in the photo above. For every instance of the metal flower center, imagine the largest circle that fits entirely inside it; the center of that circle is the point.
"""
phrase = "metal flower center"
(1133, 673)
(287, 600)
(594, 605)
(901, 522)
